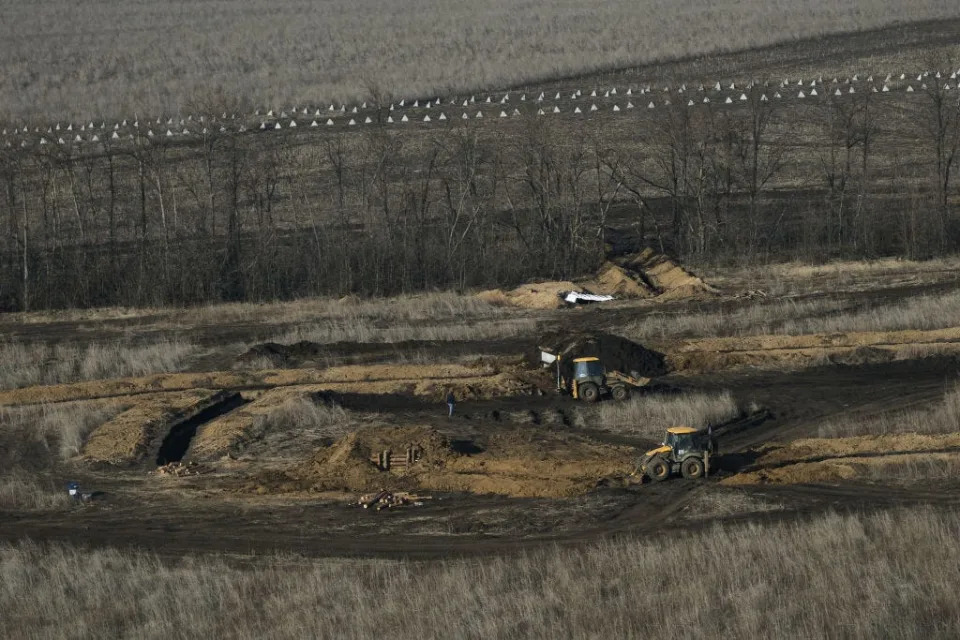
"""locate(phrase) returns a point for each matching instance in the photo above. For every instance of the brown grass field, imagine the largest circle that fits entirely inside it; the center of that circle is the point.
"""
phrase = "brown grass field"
(283, 463)
(890, 574)
(116, 59)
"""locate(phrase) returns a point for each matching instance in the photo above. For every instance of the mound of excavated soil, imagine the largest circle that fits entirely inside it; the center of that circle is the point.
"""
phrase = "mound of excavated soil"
(137, 432)
(615, 353)
(614, 280)
(668, 277)
(521, 464)
(471, 381)
(535, 295)
(282, 355)
(830, 460)
(347, 464)
(647, 274)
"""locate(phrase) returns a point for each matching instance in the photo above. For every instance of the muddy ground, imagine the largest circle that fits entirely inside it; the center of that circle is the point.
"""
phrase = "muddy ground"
(214, 511)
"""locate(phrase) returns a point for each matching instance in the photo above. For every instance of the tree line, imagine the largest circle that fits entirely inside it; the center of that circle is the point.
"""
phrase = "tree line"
(379, 211)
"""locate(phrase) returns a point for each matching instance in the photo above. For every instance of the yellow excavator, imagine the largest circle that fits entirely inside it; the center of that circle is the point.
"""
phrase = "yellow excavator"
(685, 451)
(588, 379)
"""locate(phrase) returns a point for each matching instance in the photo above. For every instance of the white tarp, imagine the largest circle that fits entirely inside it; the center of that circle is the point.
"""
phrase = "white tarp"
(576, 298)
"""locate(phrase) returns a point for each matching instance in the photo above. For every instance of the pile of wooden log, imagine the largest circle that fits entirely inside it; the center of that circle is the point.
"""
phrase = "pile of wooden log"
(179, 469)
(391, 500)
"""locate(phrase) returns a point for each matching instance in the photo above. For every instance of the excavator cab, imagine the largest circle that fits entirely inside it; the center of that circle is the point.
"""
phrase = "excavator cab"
(589, 378)
(685, 451)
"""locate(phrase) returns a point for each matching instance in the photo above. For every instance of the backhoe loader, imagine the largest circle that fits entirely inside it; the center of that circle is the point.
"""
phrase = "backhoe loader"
(685, 451)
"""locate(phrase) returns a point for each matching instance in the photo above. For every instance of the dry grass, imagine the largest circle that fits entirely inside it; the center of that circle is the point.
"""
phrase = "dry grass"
(426, 306)
(794, 317)
(165, 56)
(39, 436)
(34, 441)
(891, 574)
(25, 491)
(434, 306)
(936, 419)
(797, 278)
(291, 429)
(26, 364)
(649, 415)
(361, 331)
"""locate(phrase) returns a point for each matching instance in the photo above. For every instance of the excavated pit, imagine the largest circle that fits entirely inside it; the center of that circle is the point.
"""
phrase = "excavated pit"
(177, 441)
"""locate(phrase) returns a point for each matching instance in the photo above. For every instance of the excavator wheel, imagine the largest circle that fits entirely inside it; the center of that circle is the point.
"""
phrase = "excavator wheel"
(658, 469)
(620, 393)
(692, 468)
(589, 392)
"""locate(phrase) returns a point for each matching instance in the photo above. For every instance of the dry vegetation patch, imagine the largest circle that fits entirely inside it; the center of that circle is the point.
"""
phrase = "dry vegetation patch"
(888, 574)
(161, 57)
(25, 364)
(940, 418)
(832, 460)
(708, 354)
(650, 414)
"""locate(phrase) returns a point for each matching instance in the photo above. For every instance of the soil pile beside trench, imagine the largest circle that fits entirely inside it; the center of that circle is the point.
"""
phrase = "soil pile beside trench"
(857, 458)
(647, 275)
(616, 353)
(515, 463)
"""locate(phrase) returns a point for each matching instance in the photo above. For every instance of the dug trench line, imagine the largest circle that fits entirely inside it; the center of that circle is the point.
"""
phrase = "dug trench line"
(713, 354)
(420, 380)
(159, 428)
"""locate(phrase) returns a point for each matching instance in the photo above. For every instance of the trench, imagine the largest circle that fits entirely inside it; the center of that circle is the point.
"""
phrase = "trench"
(177, 441)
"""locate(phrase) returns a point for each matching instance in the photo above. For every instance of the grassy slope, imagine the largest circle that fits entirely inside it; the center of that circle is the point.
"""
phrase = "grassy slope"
(111, 58)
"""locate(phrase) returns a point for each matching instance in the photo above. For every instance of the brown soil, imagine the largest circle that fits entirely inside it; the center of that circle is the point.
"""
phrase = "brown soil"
(519, 464)
(616, 281)
(230, 432)
(422, 380)
(647, 274)
(668, 277)
(831, 460)
(128, 437)
(710, 354)
(536, 295)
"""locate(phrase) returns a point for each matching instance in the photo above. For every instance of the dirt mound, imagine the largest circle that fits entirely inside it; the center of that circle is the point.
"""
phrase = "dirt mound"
(471, 381)
(348, 464)
(830, 460)
(535, 295)
(647, 274)
(615, 352)
(282, 355)
(137, 432)
(711, 354)
(668, 277)
(614, 280)
(521, 464)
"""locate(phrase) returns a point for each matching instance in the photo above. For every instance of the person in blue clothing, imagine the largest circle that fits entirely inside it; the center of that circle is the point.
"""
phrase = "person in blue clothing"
(451, 401)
